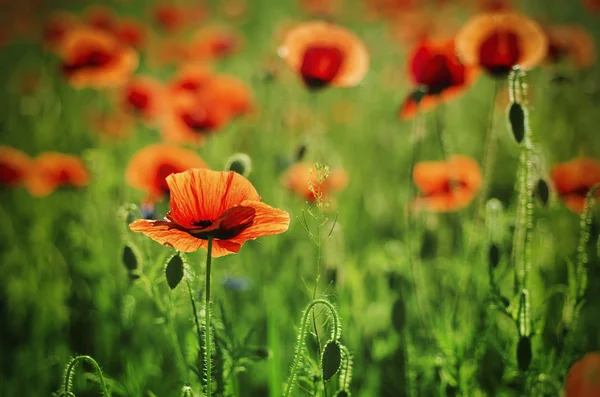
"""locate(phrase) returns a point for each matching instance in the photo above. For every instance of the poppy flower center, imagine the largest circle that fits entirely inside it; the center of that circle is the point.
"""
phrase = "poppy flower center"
(203, 223)
(138, 99)
(556, 52)
(88, 59)
(435, 74)
(223, 45)
(163, 171)
(500, 52)
(320, 65)
(198, 121)
(8, 174)
(448, 188)
(189, 85)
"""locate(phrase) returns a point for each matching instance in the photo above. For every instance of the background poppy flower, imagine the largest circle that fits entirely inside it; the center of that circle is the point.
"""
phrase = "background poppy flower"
(574, 179)
(57, 27)
(435, 68)
(100, 17)
(143, 97)
(447, 186)
(214, 42)
(325, 54)
(206, 204)
(14, 166)
(499, 41)
(130, 31)
(190, 78)
(52, 170)
(94, 58)
(583, 379)
(300, 176)
(150, 166)
(571, 43)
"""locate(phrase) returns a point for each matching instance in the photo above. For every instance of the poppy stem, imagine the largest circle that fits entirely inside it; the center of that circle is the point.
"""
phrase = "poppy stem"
(207, 329)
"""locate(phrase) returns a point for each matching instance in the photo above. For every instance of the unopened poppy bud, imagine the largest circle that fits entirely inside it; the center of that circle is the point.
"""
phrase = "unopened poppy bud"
(129, 258)
(331, 359)
(301, 152)
(493, 256)
(240, 163)
(524, 353)
(260, 353)
(342, 393)
(331, 275)
(542, 192)
(516, 119)
(186, 391)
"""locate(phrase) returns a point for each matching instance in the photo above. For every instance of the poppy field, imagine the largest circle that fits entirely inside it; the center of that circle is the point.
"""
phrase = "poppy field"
(332, 198)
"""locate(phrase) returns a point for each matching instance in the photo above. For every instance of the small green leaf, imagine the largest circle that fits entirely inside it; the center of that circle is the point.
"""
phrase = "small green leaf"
(524, 353)
(493, 256)
(174, 271)
(331, 359)
(516, 118)
(129, 258)
(399, 315)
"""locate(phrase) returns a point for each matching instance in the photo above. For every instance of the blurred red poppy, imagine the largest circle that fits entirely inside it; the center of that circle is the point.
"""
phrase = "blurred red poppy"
(325, 54)
(142, 96)
(570, 43)
(214, 42)
(150, 166)
(447, 186)
(439, 75)
(574, 179)
(593, 6)
(94, 58)
(51, 170)
(14, 166)
(172, 17)
(499, 41)
(302, 179)
(223, 206)
(583, 379)
(130, 31)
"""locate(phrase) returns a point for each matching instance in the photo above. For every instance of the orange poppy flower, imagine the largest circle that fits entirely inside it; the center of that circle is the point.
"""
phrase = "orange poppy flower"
(130, 31)
(435, 68)
(572, 43)
(150, 166)
(447, 186)
(214, 42)
(172, 18)
(574, 179)
(142, 96)
(300, 176)
(325, 54)
(498, 41)
(94, 58)
(583, 379)
(207, 204)
(56, 29)
(14, 166)
(191, 78)
(52, 170)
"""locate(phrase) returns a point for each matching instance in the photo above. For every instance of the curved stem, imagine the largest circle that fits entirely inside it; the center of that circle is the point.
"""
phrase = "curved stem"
(207, 329)
(70, 372)
(335, 335)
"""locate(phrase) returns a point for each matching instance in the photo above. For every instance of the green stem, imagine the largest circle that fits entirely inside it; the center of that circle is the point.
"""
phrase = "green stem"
(207, 329)
(335, 335)
(70, 372)
(194, 310)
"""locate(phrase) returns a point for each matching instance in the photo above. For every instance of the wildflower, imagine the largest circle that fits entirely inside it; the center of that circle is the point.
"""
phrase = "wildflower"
(142, 96)
(498, 41)
(574, 179)
(583, 379)
(437, 71)
(214, 42)
(303, 179)
(94, 58)
(571, 43)
(325, 54)
(447, 186)
(150, 166)
(223, 206)
(51, 170)
(14, 166)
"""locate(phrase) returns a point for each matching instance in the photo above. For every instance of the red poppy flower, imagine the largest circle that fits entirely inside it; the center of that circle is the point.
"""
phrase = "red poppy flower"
(142, 96)
(94, 58)
(436, 69)
(302, 179)
(214, 42)
(191, 78)
(172, 18)
(52, 170)
(325, 54)
(571, 43)
(57, 27)
(207, 204)
(130, 31)
(447, 186)
(593, 6)
(14, 166)
(150, 166)
(583, 379)
(499, 41)
(574, 179)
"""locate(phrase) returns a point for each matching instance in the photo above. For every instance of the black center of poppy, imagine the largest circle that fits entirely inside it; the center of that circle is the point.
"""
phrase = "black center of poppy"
(436, 75)
(8, 174)
(203, 223)
(198, 121)
(500, 52)
(137, 99)
(90, 59)
(320, 65)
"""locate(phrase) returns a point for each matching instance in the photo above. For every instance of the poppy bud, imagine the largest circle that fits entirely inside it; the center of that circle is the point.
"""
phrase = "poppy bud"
(331, 275)
(301, 152)
(260, 353)
(516, 118)
(331, 359)
(174, 271)
(186, 391)
(524, 353)
(342, 393)
(493, 256)
(129, 258)
(240, 163)
(542, 191)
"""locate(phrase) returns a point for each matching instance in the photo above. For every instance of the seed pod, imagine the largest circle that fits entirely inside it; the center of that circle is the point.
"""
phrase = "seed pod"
(174, 271)
(542, 191)
(516, 118)
(493, 256)
(240, 163)
(399, 315)
(331, 359)
(129, 258)
(342, 393)
(524, 353)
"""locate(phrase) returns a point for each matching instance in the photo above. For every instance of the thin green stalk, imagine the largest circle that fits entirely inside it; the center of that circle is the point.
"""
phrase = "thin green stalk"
(194, 310)
(207, 329)
(70, 372)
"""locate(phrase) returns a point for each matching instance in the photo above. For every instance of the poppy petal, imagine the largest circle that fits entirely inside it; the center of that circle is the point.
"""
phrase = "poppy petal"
(267, 221)
(165, 233)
